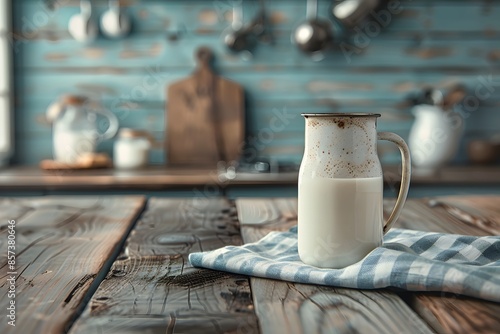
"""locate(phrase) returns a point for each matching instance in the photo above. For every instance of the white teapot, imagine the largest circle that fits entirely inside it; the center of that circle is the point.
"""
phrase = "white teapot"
(75, 130)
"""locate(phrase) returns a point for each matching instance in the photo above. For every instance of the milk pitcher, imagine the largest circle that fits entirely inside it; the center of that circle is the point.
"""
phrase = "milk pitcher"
(340, 208)
(75, 130)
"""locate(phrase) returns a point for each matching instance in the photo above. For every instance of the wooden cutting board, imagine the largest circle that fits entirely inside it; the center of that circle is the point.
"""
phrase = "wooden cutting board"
(205, 117)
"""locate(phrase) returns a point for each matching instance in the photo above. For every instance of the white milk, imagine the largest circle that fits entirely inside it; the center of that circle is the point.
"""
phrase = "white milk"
(339, 220)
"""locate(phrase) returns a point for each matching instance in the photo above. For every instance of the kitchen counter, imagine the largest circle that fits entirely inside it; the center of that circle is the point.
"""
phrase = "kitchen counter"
(161, 178)
(116, 264)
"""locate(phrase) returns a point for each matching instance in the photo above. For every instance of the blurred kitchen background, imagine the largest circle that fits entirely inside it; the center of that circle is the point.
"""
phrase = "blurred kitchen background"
(395, 57)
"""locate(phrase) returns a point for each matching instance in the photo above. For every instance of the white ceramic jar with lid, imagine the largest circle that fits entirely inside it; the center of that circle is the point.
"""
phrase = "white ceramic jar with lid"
(131, 149)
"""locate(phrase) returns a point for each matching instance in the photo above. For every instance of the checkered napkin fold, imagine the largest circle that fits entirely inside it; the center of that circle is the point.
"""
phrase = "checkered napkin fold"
(409, 260)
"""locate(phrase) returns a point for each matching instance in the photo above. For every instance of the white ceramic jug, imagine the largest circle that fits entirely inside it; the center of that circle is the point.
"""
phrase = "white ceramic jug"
(434, 137)
(340, 209)
(75, 131)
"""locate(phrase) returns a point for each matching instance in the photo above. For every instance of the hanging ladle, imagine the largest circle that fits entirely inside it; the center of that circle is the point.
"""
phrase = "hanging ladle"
(239, 38)
(351, 13)
(260, 26)
(314, 35)
(81, 26)
(115, 23)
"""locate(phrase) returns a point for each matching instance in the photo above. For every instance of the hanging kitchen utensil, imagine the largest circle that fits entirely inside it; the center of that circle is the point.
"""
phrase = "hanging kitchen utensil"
(205, 117)
(115, 23)
(351, 13)
(175, 33)
(260, 26)
(239, 38)
(314, 35)
(81, 26)
(432, 96)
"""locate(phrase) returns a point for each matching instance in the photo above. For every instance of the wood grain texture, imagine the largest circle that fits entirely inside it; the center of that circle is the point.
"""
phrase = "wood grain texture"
(152, 286)
(205, 117)
(481, 212)
(471, 215)
(419, 215)
(62, 245)
(300, 308)
(448, 313)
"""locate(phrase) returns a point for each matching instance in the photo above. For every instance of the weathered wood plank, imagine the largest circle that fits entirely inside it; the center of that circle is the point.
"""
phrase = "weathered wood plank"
(468, 215)
(152, 286)
(148, 50)
(454, 314)
(425, 44)
(62, 245)
(419, 215)
(301, 308)
(481, 212)
(476, 215)
(174, 227)
(268, 84)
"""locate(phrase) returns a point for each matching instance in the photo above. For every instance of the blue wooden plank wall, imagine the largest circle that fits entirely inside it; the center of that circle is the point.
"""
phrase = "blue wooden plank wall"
(427, 43)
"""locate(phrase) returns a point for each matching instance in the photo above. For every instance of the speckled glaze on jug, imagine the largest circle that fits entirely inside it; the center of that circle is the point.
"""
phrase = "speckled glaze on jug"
(340, 146)
(340, 209)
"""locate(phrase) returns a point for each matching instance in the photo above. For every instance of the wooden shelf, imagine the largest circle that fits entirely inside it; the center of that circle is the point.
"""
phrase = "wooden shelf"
(157, 178)
(149, 178)
(449, 175)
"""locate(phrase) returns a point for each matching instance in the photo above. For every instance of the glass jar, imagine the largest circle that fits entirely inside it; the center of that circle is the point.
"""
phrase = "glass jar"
(131, 149)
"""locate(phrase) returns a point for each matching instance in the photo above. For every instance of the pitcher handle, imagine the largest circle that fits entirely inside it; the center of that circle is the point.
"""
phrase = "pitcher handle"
(405, 178)
(113, 123)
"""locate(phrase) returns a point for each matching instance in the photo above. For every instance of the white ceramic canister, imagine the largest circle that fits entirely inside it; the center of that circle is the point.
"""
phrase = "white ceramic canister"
(434, 137)
(131, 149)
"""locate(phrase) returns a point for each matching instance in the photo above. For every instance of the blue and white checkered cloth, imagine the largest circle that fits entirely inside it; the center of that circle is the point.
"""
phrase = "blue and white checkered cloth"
(409, 260)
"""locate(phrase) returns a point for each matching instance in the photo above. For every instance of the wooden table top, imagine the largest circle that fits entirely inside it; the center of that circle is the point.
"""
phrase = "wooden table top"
(120, 265)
